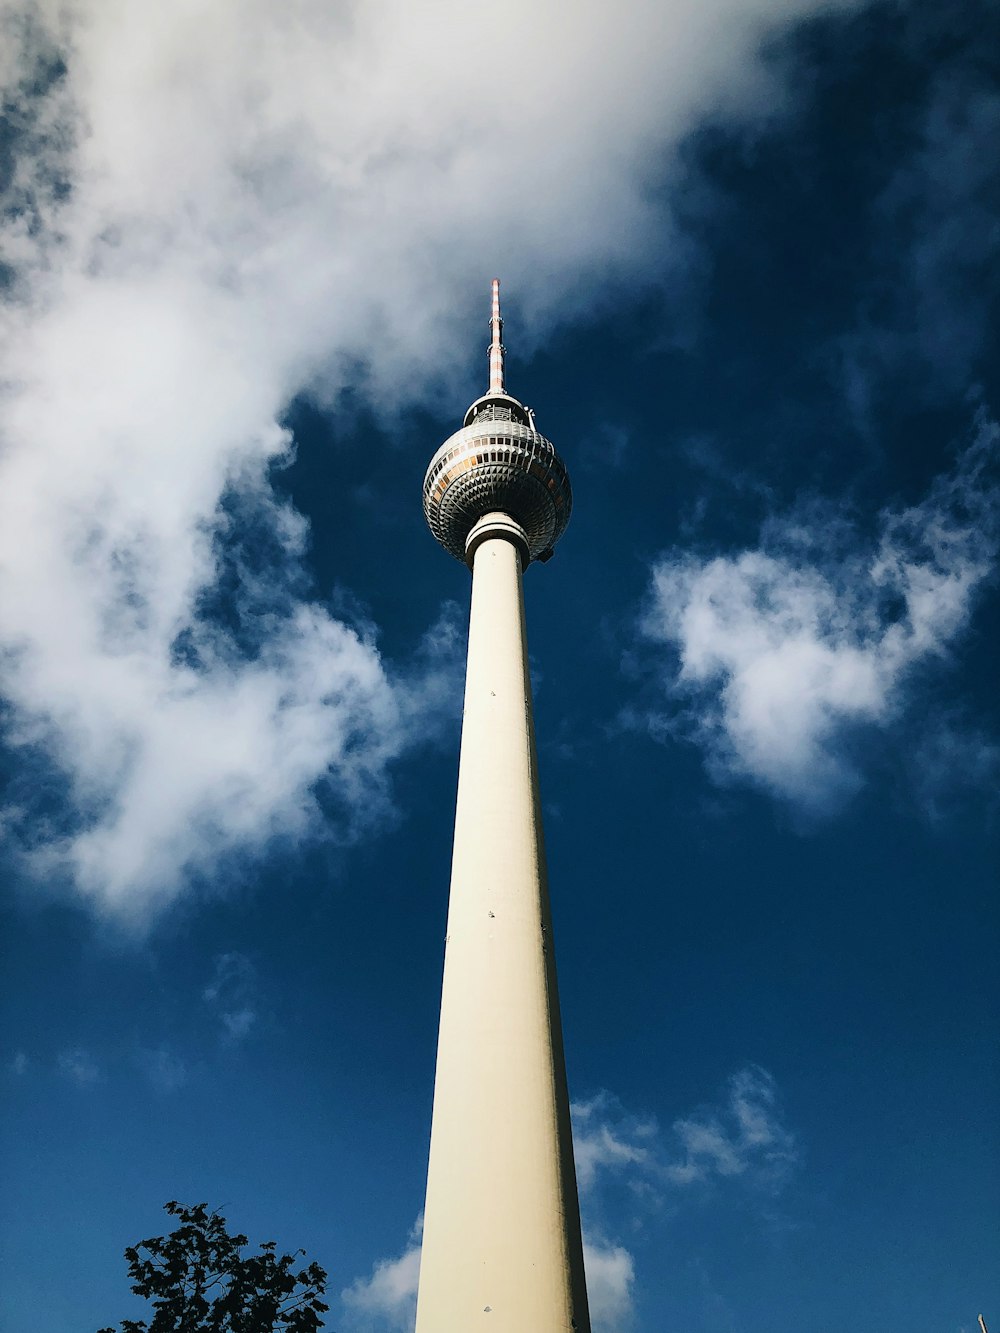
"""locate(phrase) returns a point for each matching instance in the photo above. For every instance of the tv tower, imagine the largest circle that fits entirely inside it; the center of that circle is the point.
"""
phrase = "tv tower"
(502, 1249)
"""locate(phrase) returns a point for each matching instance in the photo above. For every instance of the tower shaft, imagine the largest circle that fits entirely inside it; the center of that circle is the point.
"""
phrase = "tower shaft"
(502, 1249)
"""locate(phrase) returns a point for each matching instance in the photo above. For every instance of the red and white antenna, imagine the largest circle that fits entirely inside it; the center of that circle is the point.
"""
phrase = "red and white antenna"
(496, 343)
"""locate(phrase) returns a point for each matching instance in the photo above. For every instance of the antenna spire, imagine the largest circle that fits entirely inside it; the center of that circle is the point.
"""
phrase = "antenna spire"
(496, 345)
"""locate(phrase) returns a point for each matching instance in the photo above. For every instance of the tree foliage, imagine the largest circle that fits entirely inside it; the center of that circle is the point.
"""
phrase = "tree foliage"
(199, 1281)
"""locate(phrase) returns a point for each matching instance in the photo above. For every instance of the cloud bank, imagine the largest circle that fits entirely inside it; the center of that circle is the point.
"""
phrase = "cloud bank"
(208, 210)
(781, 655)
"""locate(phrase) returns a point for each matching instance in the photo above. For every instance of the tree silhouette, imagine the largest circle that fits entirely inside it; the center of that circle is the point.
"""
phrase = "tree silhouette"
(199, 1281)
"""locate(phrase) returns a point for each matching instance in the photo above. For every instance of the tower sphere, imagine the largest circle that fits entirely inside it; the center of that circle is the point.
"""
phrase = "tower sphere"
(497, 463)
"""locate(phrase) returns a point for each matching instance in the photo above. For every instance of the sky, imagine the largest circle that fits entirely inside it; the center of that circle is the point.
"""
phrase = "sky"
(749, 254)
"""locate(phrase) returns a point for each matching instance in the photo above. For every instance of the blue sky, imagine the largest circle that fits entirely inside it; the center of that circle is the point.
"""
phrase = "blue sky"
(749, 257)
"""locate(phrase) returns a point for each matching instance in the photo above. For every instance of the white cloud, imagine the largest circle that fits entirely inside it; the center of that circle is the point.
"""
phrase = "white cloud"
(743, 1136)
(610, 1279)
(741, 1139)
(18, 1064)
(79, 1066)
(954, 763)
(935, 241)
(387, 1301)
(233, 995)
(165, 1070)
(604, 1137)
(783, 652)
(211, 208)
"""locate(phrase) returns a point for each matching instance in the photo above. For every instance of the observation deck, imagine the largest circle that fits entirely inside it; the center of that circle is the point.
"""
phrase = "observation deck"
(497, 462)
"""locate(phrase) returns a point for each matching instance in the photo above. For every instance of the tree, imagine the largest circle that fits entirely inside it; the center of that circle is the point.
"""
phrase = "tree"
(199, 1281)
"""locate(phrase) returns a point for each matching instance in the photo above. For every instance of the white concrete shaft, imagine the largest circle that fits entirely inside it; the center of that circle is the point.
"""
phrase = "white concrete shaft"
(502, 1248)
